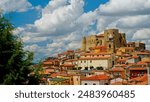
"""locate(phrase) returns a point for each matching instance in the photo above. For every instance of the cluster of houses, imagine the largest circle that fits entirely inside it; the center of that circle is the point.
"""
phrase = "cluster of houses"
(103, 59)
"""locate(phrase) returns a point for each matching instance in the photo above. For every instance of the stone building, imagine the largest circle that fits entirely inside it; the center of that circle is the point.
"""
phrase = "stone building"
(137, 45)
(111, 38)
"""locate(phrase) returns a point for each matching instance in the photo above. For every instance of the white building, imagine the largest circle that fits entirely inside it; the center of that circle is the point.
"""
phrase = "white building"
(95, 80)
(89, 60)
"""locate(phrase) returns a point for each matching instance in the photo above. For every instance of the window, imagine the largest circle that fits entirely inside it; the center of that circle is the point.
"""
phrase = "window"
(84, 61)
(81, 61)
(109, 45)
(90, 61)
(91, 67)
(85, 83)
(86, 68)
(94, 83)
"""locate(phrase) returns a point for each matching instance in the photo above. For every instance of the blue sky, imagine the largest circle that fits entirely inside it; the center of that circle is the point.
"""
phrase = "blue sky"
(22, 18)
(28, 17)
(49, 27)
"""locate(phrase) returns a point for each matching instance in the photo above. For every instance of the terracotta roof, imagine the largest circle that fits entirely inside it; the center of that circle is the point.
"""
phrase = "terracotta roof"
(48, 62)
(53, 67)
(122, 60)
(138, 68)
(55, 74)
(146, 61)
(129, 48)
(130, 42)
(143, 53)
(100, 35)
(117, 69)
(65, 75)
(141, 63)
(143, 83)
(135, 56)
(48, 71)
(70, 51)
(103, 53)
(97, 77)
(120, 83)
(141, 80)
(74, 59)
(67, 65)
(98, 47)
(64, 53)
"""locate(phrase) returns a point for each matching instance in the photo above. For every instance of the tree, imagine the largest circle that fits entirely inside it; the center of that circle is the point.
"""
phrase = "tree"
(99, 68)
(15, 63)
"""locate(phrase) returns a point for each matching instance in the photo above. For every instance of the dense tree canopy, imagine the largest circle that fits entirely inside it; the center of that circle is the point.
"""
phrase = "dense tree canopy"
(15, 63)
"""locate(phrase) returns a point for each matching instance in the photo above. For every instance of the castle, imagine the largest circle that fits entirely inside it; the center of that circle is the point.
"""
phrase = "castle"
(109, 42)
(105, 58)
(111, 39)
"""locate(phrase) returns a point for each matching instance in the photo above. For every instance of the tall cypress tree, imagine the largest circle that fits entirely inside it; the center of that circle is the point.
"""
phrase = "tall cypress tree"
(15, 63)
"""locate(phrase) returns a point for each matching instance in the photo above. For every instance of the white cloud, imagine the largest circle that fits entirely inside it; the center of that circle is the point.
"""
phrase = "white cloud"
(60, 18)
(32, 48)
(15, 5)
(129, 16)
(142, 34)
(136, 21)
(53, 5)
(64, 22)
(125, 7)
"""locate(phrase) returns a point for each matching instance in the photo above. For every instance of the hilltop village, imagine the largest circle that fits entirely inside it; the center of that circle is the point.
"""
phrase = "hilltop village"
(103, 59)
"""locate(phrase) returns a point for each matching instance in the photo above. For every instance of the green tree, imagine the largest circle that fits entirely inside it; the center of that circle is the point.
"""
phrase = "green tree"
(99, 68)
(15, 63)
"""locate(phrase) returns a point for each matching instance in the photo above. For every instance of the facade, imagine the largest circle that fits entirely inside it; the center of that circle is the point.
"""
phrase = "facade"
(138, 70)
(111, 38)
(103, 59)
(76, 80)
(137, 45)
(94, 60)
(95, 80)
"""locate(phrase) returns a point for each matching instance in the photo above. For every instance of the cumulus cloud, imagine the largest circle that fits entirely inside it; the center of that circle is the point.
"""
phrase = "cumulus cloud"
(60, 18)
(61, 27)
(15, 5)
(64, 22)
(142, 34)
(129, 16)
(125, 7)
(136, 21)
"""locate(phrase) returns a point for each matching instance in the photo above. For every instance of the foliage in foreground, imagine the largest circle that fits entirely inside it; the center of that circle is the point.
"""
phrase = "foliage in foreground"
(15, 63)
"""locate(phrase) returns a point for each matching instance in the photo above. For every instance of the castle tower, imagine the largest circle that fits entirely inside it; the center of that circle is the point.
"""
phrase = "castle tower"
(83, 44)
(123, 40)
(111, 39)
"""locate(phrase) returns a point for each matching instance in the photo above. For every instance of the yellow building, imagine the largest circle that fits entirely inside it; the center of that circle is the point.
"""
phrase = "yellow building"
(125, 50)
